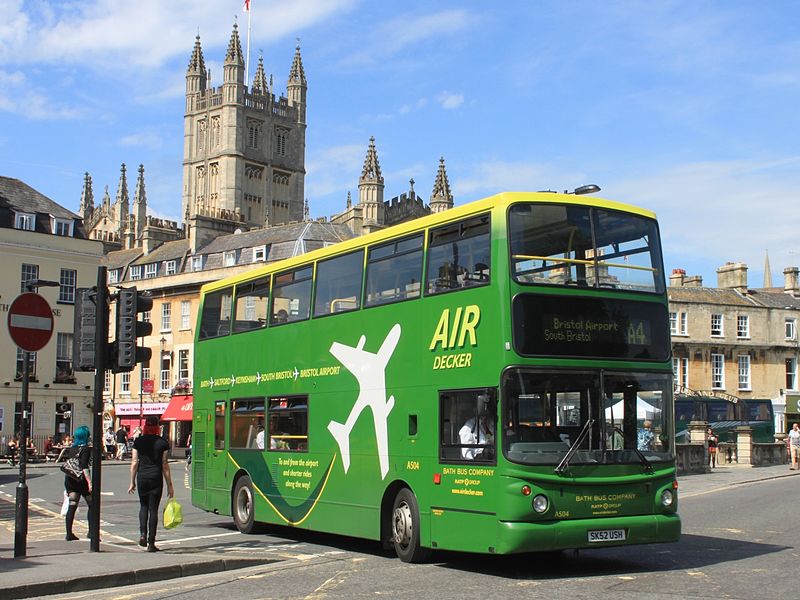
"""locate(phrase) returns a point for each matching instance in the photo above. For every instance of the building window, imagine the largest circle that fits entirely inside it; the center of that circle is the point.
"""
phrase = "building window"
(186, 311)
(280, 142)
(183, 364)
(67, 285)
(107, 381)
(62, 227)
(26, 221)
(31, 369)
(252, 134)
(680, 371)
(259, 254)
(744, 372)
(136, 272)
(170, 267)
(677, 323)
(150, 270)
(113, 276)
(125, 383)
(716, 326)
(64, 358)
(718, 371)
(145, 374)
(791, 373)
(790, 328)
(146, 316)
(166, 316)
(197, 262)
(166, 368)
(229, 258)
(742, 326)
(29, 273)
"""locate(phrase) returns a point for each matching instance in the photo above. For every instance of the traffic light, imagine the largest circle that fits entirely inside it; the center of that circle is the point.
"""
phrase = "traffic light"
(83, 340)
(130, 303)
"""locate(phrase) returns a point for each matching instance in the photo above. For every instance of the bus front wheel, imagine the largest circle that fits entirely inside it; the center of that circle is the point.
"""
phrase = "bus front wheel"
(405, 528)
(244, 508)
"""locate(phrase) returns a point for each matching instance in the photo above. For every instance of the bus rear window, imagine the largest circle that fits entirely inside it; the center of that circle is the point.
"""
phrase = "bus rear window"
(215, 320)
(584, 246)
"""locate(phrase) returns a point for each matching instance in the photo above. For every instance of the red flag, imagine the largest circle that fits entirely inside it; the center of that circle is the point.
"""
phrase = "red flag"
(246, 6)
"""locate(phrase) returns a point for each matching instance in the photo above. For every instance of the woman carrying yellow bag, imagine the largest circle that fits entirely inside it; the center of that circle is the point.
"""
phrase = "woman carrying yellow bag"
(173, 514)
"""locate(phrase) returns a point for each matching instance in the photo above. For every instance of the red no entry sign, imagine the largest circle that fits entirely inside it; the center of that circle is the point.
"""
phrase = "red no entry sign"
(30, 322)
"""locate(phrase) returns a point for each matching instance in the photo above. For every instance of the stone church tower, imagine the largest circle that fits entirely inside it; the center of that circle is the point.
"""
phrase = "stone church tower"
(244, 149)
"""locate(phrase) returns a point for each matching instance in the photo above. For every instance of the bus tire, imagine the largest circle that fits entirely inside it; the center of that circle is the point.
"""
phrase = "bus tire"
(405, 528)
(244, 507)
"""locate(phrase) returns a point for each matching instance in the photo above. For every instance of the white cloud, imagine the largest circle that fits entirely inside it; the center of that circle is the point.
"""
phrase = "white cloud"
(146, 139)
(18, 96)
(492, 177)
(450, 100)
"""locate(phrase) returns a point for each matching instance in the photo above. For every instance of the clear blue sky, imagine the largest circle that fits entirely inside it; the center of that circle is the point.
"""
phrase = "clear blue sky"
(687, 108)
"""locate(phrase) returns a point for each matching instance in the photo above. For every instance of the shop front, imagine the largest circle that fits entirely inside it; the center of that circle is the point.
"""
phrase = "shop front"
(178, 416)
(792, 411)
(133, 414)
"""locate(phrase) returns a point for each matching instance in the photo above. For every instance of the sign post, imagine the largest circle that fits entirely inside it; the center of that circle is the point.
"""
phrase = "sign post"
(30, 323)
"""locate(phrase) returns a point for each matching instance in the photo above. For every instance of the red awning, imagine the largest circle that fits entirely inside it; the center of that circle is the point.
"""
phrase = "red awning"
(179, 409)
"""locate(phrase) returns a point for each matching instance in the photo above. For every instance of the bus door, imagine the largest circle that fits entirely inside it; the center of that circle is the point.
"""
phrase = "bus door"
(200, 435)
(218, 490)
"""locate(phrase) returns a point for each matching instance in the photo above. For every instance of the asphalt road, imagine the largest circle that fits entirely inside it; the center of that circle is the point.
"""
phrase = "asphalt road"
(739, 542)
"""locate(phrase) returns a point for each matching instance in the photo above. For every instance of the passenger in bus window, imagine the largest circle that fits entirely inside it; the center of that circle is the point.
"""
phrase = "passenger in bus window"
(276, 441)
(644, 440)
(260, 437)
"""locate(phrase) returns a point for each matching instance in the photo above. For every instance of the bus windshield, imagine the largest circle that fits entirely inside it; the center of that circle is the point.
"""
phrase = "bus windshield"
(573, 245)
(544, 412)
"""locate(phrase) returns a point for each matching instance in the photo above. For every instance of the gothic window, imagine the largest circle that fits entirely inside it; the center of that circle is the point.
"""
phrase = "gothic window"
(200, 183)
(281, 135)
(201, 134)
(253, 133)
(216, 130)
(213, 186)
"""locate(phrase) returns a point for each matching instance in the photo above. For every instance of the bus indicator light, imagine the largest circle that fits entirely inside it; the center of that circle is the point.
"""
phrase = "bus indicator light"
(526, 490)
(437, 478)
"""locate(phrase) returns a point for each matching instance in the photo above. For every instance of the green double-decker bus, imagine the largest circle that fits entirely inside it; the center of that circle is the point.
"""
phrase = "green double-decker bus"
(495, 378)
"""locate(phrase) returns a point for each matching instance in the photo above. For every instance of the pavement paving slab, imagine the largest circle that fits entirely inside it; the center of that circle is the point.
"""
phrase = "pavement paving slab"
(50, 566)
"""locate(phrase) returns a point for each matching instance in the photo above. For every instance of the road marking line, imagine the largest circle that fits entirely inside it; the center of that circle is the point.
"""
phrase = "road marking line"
(199, 537)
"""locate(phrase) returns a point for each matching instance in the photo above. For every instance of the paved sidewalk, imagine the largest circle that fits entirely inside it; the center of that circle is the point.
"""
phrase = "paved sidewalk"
(51, 567)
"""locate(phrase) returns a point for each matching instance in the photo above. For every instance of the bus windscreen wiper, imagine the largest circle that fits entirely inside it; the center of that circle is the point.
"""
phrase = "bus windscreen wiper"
(562, 466)
(648, 468)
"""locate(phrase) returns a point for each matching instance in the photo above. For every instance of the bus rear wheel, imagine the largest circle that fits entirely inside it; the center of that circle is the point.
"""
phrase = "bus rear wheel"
(405, 528)
(244, 508)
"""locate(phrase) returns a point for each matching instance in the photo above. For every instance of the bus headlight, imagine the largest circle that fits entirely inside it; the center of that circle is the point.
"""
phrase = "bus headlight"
(540, 503)
(667, 498)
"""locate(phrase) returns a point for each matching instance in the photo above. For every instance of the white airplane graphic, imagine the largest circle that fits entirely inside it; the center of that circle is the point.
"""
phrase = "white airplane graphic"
(370, 371)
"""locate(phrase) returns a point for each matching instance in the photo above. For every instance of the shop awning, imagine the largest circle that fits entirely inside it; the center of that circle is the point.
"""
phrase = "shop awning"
(179, 409)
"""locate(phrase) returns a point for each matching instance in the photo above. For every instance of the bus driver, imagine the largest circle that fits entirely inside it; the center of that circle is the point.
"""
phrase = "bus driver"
(480, 432)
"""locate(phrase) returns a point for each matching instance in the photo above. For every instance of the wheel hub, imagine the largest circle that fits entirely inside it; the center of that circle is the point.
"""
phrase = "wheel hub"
(244, 503)
(402, 524)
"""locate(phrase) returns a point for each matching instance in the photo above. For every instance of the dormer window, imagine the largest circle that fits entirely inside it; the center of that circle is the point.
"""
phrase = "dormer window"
(150, 270)
(136, 272)
(260, 254)
(26, 221)
(198, 262)
(229, 258)
(62, 227)
(170, 267)
(113, 276)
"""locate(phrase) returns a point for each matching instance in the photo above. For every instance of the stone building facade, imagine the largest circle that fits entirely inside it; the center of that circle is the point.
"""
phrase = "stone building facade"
(736, 340)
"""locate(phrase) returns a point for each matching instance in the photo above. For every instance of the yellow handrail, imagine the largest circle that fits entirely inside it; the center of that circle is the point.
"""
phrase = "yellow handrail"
(578, 261)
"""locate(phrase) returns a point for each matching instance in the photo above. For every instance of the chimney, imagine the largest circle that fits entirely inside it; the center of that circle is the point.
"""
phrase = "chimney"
(677, 277)
(693, 281)
(791, 285)
(733, 276)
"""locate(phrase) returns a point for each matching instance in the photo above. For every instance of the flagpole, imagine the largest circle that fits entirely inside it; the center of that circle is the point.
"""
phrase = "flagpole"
(247, 60)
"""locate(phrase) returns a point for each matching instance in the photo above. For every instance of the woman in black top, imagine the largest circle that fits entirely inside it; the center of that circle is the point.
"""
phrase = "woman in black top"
(83, 487)
(149, 467)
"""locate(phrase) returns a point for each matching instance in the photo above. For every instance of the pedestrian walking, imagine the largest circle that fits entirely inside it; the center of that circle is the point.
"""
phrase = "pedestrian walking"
(794, 445)
(713, 440)
(149, 470)
(79, 488)
(110, 443)
(121, 437)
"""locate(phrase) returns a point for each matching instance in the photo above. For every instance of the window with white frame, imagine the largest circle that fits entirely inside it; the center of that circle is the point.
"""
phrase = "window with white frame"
(150, 270)
(67, 284)
(64, 358)
(716, 325)
(186, 312)
(31, 365)
(146, 316)
(680, 371)
(62, 227)
(145, 373)
(113, 276)
(718, 371)
(26, 221)
(136, 272)
(229, 258)
(166, 370)
(125, 383)
(166, 316)
(259, 254)
(742, 326)
(170, 267)
(183, 364)
(29, 273)
(790, 328)
(791, 373)
(198, 262)
(677, 323)
(744, 371)
(107, 381)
